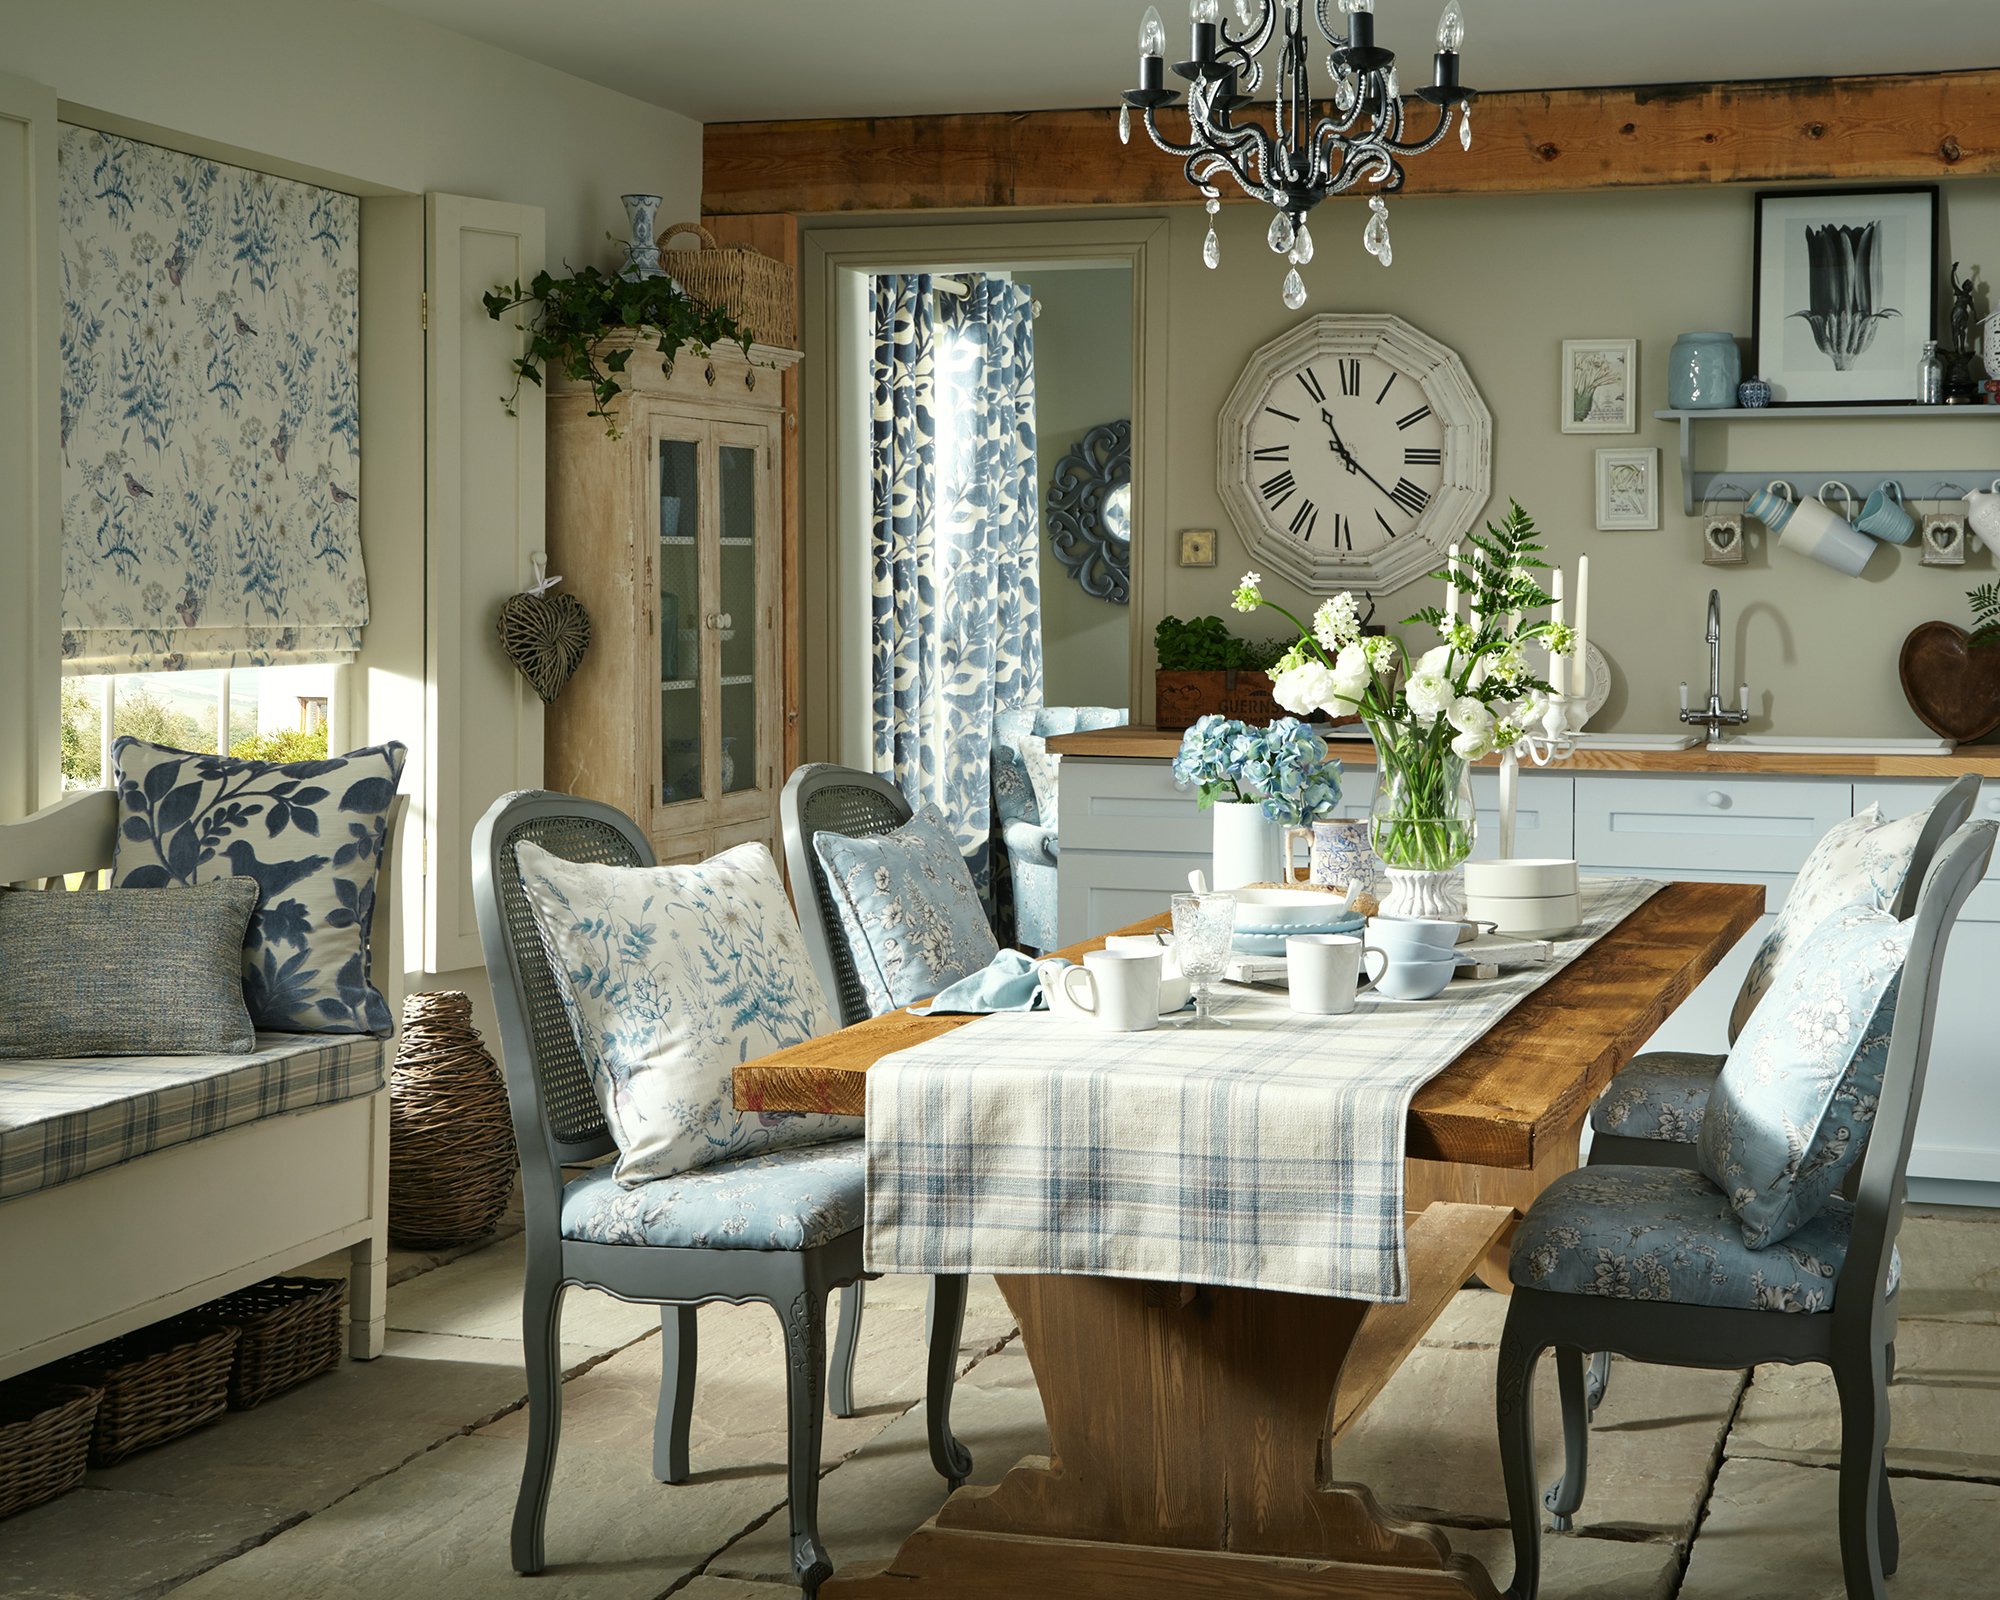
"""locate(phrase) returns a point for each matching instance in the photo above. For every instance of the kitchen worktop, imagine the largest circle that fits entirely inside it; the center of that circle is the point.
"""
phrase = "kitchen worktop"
(1152, 744)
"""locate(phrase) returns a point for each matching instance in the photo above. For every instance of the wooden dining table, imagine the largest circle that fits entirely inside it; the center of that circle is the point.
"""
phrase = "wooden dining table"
(1190, 1422)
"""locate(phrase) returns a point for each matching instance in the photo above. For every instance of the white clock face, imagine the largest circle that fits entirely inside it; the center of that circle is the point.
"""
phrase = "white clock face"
(1346, 455)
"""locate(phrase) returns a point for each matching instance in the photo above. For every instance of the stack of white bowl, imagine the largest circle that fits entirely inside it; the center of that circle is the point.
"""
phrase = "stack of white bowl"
(1537, 898)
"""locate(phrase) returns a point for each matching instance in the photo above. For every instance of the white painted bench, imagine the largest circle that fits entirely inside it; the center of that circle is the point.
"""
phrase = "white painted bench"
(97, 1256)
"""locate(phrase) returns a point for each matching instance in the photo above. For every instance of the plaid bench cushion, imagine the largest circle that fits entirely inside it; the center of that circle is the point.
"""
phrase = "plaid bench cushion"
(65, 1118)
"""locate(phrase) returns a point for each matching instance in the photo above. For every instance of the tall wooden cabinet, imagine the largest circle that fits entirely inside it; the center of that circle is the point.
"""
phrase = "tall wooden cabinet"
(672, 535)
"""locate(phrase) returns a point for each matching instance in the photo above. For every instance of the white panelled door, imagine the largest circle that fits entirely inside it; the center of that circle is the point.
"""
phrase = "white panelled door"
(484, 519)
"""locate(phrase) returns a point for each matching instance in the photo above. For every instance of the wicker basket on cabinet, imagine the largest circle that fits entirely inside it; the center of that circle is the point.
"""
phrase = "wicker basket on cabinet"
(757, 291)
(44, 1439)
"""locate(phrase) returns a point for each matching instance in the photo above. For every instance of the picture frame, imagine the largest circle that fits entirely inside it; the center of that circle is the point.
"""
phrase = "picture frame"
(1844, 292)
(1628, 489)
(1600, 386)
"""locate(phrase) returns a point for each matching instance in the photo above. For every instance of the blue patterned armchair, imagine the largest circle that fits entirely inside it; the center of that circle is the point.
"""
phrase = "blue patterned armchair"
(1024, 804)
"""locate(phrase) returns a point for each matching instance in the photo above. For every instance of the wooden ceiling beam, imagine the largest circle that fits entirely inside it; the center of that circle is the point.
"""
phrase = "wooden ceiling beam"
(1792, 130)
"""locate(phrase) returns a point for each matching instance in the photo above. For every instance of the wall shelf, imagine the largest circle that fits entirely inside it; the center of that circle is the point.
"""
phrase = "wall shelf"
(1698, 487)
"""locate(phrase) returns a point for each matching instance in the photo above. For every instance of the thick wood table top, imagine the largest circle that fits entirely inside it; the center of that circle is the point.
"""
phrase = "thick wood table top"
(1140, 743)
(1505, 1102)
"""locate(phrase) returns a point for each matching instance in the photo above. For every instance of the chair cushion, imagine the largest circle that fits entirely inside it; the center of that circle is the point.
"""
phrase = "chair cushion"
(1662, 1233)
(1863, 859)
(125, 972)
(789, 1200)
(310, 833)
(1791, 1111)
(1660, 1095)
(912, 918)
(670, 977)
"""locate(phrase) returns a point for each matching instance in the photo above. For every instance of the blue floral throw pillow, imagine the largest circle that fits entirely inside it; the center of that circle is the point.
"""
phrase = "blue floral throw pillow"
(309, 832)
(912, 918)
(1791, 1112)
(671, 976)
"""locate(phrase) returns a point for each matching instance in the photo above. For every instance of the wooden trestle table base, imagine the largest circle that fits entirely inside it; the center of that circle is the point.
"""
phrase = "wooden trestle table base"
(1191, 1423)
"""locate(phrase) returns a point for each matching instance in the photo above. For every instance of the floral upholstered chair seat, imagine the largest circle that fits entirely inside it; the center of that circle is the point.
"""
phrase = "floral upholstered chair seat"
(788, 1200)
(1661, 1233)
(1024, 805)
(1661, 1095)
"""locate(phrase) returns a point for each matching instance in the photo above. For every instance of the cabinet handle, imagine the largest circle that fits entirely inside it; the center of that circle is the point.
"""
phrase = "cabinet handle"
(725, 621)
(1717, 798)
(1994, 803)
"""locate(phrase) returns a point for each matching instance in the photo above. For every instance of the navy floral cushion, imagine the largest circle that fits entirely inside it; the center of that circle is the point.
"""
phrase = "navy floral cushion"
(309, 832)
(1792, 1109)
(1660, 1095)
(1663, 1233)
(789, 1200)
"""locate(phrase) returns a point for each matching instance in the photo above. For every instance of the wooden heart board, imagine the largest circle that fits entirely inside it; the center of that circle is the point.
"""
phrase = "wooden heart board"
(1952, 687)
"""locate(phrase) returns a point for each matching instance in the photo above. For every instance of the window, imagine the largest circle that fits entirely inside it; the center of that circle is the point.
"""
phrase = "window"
(260, 713)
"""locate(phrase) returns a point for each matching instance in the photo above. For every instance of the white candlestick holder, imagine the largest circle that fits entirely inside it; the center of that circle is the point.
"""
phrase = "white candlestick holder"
(1556, 742)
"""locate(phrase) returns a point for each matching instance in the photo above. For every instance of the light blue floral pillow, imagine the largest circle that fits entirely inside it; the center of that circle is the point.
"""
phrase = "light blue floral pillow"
(671, 976)
(309, 832)
(1791, 1112)
(912, 918)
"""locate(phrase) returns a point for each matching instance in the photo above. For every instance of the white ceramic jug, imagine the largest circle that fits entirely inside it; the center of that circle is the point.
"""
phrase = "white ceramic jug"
(1982, 510)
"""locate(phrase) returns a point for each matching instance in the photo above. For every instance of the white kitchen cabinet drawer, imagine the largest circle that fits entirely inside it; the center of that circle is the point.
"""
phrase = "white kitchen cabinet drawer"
(1688, 825)
(1958, 1125)
(1104, 803)
(1099, 891)
(1544, 811)
(1902, 797)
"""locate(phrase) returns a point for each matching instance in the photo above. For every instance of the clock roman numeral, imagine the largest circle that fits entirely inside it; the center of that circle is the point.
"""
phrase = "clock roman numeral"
(1277, 490)
(1391, 532)
(1423, 458)
(1276, 452)
(1407, 495)
(1343, 532)
(1386, 388)
(1277, 413)
(1306, 519)
(1412, 419)
(1312, 386)
(1350, 377)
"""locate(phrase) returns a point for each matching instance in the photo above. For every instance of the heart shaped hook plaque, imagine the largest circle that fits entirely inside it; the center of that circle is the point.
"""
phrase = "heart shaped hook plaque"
(545, 635)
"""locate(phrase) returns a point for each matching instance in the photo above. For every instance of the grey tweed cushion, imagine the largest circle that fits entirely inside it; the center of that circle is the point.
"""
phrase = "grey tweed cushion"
(125, 972)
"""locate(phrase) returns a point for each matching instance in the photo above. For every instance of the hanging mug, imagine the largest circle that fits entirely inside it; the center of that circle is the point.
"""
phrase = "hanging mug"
(1982, 510)
(1773, 505)
(1884, 517)
(1814, 529)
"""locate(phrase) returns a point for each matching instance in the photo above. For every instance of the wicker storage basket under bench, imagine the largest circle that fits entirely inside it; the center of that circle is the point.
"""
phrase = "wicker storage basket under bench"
(158, 1383)
(291, 1330)
(44, 1439)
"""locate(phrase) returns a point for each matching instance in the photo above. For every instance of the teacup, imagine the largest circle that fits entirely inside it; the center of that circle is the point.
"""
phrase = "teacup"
(1773, 506)
(1414, 980)
(1323, 971)
(1883, 517)
(1814, 529)
(1417, 938)
(1123, 988)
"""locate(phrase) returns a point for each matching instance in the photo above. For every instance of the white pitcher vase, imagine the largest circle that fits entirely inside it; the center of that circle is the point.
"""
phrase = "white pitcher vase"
(1249, 846)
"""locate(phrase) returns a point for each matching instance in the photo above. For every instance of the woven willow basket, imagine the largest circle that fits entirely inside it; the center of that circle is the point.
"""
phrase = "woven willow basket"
(451, 1140)
(757, 291)
(291, 1330)
(44, 1439)
(158, 1383)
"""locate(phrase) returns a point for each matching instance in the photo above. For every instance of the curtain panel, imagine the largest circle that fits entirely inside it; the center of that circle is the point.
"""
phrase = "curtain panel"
(211, 424)
(956, 543)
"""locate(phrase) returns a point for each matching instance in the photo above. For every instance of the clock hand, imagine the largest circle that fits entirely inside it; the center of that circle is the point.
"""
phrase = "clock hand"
(1346, 456)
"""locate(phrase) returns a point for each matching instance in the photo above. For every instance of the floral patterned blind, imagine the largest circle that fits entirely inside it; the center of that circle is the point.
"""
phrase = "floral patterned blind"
(211, 424)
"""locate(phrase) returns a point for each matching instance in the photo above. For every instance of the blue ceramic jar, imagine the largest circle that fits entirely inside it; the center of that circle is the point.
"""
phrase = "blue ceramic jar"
(1703, 371)
(1753, 394)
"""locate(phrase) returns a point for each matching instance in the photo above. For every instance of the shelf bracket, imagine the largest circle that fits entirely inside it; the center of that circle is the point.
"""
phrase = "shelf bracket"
(1687, 466)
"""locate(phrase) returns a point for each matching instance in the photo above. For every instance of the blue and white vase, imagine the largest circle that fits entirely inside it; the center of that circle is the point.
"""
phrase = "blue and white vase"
(642, 254)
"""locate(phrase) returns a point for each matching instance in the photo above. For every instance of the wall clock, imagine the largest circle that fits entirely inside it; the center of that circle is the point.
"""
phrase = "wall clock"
(1352, 451)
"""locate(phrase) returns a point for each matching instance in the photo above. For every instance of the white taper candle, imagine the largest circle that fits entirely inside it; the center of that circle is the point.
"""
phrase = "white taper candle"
(1580, 678)
(1558, 673)
(1451, 585)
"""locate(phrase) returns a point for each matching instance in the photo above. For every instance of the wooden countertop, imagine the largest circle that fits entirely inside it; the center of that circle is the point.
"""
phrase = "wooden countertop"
(1151, 743)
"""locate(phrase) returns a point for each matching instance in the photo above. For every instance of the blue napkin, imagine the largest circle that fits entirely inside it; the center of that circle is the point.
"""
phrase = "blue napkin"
(1006, 983)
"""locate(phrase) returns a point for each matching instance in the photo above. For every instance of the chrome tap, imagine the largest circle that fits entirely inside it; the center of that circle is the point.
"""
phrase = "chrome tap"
(1713, 717)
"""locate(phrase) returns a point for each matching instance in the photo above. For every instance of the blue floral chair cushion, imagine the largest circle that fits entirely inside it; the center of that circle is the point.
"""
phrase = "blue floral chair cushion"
(1662, 1233)
(791, 1200)
(1792, 1109)
(1661, 1095)
(309, 832)
(911, 916)
(671, 976)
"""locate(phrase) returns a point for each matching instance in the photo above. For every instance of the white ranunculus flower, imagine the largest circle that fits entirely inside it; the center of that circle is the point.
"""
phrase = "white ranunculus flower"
(1471, 745)
(1435, 663)
(1470, 716)
(1351, 671)
(1428, 695)
(1304, 689)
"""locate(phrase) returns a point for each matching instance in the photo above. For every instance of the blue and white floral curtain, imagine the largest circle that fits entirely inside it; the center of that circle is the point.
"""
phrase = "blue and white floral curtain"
(211, 424)
(956, 542)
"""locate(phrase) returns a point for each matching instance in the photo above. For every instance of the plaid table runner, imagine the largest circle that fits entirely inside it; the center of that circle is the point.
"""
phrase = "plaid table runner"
(1269, 1156)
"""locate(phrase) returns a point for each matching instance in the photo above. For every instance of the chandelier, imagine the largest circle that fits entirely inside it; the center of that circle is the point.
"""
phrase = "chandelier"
(1313, 148)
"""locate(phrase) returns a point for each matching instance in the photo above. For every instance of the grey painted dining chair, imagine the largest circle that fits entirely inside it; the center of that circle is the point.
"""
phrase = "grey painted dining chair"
(558, 1122)
(1854, 1334)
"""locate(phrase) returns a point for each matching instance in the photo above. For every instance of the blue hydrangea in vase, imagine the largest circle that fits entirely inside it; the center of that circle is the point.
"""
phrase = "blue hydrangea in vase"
(1258, 782)
(1431, 716)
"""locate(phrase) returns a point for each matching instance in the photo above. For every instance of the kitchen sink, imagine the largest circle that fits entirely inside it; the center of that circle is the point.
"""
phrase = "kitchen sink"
(1832, 745)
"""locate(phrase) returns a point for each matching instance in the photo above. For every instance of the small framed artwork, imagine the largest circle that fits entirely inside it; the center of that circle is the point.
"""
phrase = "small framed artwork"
(1600, 383)
(1628, 488)
(1843, 293)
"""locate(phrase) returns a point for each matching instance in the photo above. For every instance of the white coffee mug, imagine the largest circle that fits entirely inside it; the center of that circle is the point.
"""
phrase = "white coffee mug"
(1124, 990)
(1324, 973)
(1814, 530)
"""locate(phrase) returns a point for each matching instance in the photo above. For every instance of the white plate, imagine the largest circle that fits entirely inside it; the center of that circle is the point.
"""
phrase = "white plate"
(1600, 681)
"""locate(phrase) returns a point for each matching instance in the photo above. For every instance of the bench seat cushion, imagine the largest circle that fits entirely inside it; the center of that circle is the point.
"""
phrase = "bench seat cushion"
(787, 1200)
(1659, 1095)
(64, 1118)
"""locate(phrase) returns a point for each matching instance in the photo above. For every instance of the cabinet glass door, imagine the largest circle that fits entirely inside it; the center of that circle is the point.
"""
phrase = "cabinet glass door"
(741, 551)
(682, 774)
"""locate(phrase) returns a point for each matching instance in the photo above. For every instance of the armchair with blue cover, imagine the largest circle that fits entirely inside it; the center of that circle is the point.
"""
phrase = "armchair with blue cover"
(1024, 803)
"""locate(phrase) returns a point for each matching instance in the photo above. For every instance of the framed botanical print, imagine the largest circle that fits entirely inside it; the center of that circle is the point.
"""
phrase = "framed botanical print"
(1628, 488)
(1600, 385)
(1844, 293)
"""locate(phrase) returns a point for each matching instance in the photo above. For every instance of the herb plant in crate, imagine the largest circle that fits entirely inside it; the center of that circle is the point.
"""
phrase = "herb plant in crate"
(1205, 670)
(1258, 782)
(1470, 695)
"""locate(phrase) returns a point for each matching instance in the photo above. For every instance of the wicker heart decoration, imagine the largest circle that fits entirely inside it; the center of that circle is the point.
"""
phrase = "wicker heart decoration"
(545, 635)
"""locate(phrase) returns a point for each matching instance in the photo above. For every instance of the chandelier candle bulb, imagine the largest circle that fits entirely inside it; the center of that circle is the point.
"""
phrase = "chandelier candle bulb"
(1152, 51)
(1451, 30)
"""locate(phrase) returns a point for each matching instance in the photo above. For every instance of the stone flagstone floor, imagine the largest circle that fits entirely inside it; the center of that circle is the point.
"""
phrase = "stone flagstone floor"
(395, 1479)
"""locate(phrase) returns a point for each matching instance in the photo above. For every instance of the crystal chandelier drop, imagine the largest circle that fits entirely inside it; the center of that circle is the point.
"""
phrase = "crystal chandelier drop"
(1312, 148)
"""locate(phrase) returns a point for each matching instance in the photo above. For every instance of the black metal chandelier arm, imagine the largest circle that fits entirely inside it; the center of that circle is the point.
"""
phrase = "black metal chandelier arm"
(1166, 144)
(1421, 145)
(1252, 43)
(1337, 40)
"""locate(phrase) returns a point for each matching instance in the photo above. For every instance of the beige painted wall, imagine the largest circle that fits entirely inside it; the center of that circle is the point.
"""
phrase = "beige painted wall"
(1083, 377)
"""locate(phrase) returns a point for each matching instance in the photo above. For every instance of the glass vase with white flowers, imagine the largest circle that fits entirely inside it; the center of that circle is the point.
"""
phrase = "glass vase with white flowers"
(1433, 715)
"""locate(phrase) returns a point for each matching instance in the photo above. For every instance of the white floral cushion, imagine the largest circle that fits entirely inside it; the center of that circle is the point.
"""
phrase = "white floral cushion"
(1792, 1109)
(1863, 858)
(671, 976)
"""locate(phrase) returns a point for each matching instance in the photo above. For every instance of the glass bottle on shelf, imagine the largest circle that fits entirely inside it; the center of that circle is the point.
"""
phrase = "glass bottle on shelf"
(681, 776)
(1930, 376)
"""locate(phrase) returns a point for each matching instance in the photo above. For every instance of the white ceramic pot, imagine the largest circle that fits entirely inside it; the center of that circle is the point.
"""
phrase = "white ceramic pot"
(1249, 846)
(1534, 916)
(1982, 510)
(1990, 344)
(1519, 879)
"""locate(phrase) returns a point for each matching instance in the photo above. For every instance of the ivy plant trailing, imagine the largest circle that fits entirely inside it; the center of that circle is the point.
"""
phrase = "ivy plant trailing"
(574, 313)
